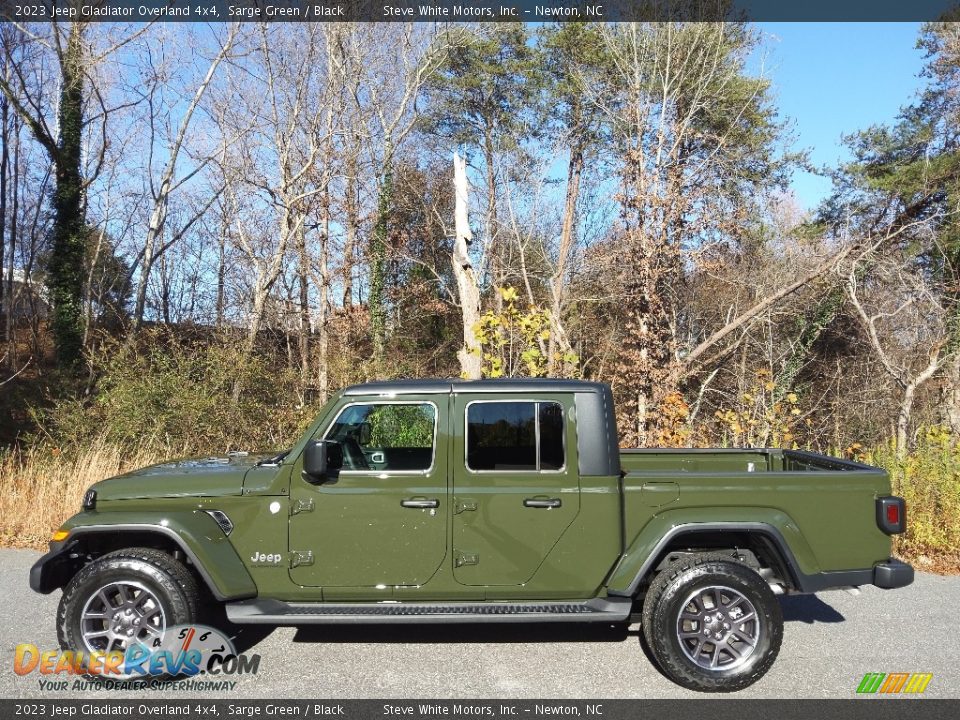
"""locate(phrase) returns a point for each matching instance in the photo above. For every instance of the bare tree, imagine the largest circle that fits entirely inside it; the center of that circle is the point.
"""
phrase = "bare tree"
(391, 89)
(467, 288)
(906, 326)
(272, 172)
(167, 183)
(76, 56)
(5, 137)
(683, 113)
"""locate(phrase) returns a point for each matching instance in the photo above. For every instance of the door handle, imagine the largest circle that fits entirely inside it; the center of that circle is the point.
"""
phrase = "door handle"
(537, 503)
(421, 504)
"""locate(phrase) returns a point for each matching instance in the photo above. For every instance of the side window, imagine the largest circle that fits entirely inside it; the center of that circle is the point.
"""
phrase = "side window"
(550, 417)
(386, 436)
(504, 436)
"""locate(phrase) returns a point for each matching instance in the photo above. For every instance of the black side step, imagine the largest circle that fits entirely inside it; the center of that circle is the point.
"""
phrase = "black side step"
(277, 612)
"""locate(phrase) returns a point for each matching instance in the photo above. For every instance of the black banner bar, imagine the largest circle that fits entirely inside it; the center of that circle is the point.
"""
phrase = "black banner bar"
(477, 10)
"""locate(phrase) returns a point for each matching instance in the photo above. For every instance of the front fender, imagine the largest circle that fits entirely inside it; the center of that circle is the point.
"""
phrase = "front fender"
(193, 532)
(639, 557)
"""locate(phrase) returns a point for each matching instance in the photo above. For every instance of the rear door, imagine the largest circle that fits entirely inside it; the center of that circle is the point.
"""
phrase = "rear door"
(380, 521)
(516, 487)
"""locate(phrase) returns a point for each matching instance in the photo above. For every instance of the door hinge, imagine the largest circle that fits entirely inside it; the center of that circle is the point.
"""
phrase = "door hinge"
(301, 505)
(301, 557)
(462, 558)
(464, 505)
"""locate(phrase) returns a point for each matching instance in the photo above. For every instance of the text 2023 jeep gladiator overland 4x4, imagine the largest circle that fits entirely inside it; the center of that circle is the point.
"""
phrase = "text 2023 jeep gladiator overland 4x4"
(488, 501)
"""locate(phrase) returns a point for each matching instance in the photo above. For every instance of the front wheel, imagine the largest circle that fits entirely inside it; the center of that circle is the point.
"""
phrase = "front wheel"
(712, 625)
(127, 596)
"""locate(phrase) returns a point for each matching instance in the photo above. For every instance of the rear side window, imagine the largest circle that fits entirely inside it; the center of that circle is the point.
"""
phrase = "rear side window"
(510, 436)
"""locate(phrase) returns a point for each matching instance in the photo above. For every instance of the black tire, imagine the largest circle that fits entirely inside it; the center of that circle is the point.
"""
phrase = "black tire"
(167, 580)
(668, 597)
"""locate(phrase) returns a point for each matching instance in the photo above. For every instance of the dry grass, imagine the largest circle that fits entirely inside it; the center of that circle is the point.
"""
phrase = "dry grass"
(41, 487)
(929, 480)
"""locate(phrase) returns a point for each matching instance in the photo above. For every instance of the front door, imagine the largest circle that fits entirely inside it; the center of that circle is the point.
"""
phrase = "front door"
(516, 487)
(380, 521)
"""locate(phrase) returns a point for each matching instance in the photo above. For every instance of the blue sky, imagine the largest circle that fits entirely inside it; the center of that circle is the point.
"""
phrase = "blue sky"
(835, 78)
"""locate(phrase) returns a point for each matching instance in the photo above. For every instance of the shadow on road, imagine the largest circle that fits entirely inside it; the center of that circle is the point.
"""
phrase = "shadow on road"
(505, 633)
(808, 609)
(244, 637)
(796, 608)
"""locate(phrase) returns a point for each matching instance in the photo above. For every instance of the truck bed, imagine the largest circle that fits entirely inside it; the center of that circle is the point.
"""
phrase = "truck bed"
(732, 460)
(821, 501)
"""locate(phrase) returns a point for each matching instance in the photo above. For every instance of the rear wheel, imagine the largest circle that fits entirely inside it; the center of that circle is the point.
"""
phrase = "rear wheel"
(712, 625)
(125, 597)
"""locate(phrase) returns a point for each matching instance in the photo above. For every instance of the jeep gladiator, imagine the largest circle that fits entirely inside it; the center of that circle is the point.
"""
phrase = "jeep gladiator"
(453, 501)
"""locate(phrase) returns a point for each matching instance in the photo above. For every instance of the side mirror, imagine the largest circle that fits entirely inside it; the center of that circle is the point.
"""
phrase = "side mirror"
(365, 434)
(320, 457)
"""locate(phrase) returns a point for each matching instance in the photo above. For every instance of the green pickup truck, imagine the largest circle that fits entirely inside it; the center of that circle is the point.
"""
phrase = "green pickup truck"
(448, 501)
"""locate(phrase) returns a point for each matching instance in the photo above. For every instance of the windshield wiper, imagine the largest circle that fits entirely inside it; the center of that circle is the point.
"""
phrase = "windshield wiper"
(275, 460)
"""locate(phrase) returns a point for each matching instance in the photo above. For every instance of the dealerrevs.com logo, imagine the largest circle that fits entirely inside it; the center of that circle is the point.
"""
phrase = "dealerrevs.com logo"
(181, 652)
(894, 683)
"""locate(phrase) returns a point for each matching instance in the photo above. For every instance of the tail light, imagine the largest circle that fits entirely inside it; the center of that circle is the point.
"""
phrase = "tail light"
(891, 515)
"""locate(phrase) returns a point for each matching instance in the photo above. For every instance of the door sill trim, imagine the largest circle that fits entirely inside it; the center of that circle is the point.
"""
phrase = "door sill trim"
(277, 612)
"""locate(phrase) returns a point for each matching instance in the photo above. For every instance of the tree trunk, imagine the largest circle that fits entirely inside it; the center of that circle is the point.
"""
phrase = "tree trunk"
(903, 420)
(323, 307)
(378, 269)
(66, 266)
(14, 236)
(495, 254)
(165, 291)
(267, 275)
(4, 157)
(67, 256)
(352, 212)
(950, 397)
(303, 282)
(158, 217)
(260, 296)
(467, 288)
(88, 289)
(647, 368)
(567, 237)
(222, 274)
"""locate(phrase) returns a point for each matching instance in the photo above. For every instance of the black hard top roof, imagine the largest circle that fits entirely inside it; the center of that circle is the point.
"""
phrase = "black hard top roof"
(504, 385)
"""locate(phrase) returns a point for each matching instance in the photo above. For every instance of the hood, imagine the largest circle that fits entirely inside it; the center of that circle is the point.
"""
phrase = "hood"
(198, 477)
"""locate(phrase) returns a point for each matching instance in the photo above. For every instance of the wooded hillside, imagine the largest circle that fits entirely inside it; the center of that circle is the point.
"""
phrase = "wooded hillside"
(207, 220)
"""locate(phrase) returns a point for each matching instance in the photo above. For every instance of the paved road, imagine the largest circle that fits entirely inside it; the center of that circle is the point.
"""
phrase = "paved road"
(830, 641)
